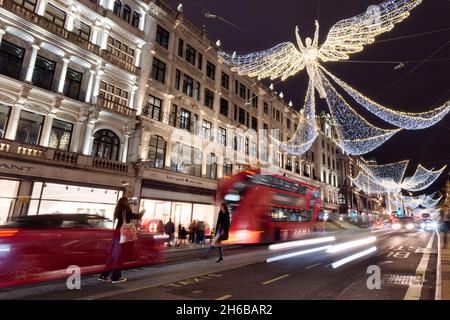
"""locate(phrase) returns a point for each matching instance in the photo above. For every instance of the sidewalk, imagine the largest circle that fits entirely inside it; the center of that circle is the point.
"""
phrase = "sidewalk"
(445, 268)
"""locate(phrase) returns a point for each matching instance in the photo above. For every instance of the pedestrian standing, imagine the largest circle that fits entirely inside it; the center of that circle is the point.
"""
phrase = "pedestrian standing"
(221, 233)
(169, 229)
(119, 252)
(182, 237)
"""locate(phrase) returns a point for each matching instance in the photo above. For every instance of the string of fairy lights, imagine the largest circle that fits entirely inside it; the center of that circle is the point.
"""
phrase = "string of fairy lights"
(356, 135)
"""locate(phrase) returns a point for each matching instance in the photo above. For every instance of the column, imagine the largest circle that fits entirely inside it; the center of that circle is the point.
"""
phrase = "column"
(166, 109)
(125, 147)
(88, 137)
(87, 98)
(142, 20)
(109, 4)
(94, 33)
(69, 23)
(46, 131)
(168, 158)
(132, 94)
(75, 139)
(104, 34)
(40, 7)
(31, 63)
(13, 122)
(62, 76)
(137, 55)
(96, 88)
(2, 32)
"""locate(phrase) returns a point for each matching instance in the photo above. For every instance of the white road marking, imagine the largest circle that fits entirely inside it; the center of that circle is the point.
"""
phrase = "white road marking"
(225, 297)
(437, 295)
(355, 256)
(314, 265)
(414, 290)
(276, 279)
(386, 262)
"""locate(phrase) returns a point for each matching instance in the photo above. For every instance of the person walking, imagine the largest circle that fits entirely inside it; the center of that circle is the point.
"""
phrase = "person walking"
(221, 231)
(169, 229)
(118, 252)
(181, 237)
(445, 217)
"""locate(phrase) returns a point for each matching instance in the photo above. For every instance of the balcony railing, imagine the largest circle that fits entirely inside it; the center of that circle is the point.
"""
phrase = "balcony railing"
(120, 62)
(115, 107)
(25, 151)
(48, 25)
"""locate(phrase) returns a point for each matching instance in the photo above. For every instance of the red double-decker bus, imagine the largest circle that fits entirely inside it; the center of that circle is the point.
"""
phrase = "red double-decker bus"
(267, 208)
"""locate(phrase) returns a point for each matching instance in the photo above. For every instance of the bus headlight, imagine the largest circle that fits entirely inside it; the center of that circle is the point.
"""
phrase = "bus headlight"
(396, 226)
(410, 226)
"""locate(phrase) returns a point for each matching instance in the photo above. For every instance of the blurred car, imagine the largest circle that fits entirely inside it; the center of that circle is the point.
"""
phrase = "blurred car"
(378, 224)
(404, 224)
(428, 225)
(40, 248)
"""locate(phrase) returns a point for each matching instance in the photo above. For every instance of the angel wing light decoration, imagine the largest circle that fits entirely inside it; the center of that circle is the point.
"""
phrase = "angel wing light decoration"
(356, 136)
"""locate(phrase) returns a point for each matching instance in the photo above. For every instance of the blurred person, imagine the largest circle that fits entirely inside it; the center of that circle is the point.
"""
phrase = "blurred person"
(207, 232)
(211, 235)
(169, 229)
(221, 231)
(181, 237)
(191, 232)
(160, 228)
(195, 231)
(201, 232)
(119, 253)
(445, 218)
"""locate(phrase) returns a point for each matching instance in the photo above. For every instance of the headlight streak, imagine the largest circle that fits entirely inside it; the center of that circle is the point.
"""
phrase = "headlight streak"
(300, 243)
(351, 244)
(355, 256)
(295, 254)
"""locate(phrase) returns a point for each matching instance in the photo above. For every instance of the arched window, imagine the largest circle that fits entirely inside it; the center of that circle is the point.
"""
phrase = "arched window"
(126, 14)
(227, 167)
(117, 8)
(186, 159)
(157, 152)
(106, 145)
(211, 166)
(135, 20)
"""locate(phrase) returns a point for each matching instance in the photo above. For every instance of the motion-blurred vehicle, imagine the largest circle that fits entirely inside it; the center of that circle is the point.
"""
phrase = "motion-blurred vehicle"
(428, 224)
(378, 224)
(267, 208)
(40, 248)
(404, 224)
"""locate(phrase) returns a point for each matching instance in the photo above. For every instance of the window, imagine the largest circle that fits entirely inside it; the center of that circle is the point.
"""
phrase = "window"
(253, 149)
(117, 8)
(247, 146)
(191, 54)
(186, 159)
(224, 107)
(197, 90)
(211, 166)
(242, 116)
(288, 123)
(43, 73)
(28, 4)
(180, 47)
(4, 116)
(173, 116)
(323, 159)
(29, 127)
(281, 214)
(235, 112)
(254, 123)
(288, 164)
(236, 87)
(206, 130)
(135, 20)
(158, 70)
(188, 85)
(153, 109)
(60, 135)
(254, 100)
(82, 30)
(266, 108)
(185, 119)
(72, 84)
(242, 90)
(113, 93)
(225, 80)
(277, 117)
(162, 37)
(11, 59)
(156, 152)
(209, 98)
(106, 145)
(210, 70)
(177, 79)
(120, 49)
(200, 61)
(126, 14)
(222, 136)
(227, 167)
(55, 15)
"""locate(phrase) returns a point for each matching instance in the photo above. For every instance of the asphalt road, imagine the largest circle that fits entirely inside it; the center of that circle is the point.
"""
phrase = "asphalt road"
(406, 261)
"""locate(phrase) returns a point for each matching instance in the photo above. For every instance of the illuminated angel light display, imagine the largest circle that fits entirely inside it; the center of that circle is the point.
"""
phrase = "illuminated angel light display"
(355, 135)
(422, 201)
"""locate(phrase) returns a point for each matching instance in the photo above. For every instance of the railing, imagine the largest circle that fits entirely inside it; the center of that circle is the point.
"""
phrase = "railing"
(116, 107)
(120, 62)
(48, 25)
(48, 155)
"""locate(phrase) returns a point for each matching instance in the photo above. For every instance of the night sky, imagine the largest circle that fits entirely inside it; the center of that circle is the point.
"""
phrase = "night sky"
(263, 24)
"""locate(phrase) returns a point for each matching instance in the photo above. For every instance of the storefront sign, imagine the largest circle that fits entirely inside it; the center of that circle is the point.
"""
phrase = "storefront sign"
(13, 167)
(179, 179)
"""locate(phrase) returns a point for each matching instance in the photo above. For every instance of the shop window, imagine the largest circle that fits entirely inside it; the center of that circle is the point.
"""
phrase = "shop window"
(8, 198)
(5, 111)
(106, 145)
(227, 167)
(186, 159)
(60, 135)
(29, 127)
(117, 8)
(11, 59)
(55, 15)
(211, 166)
(157, 152)
(135, 20)
(43, 73)
(72, 85)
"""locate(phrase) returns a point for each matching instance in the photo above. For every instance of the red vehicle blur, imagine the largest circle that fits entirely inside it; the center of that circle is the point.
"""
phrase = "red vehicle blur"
(40, 248)
(267, 208)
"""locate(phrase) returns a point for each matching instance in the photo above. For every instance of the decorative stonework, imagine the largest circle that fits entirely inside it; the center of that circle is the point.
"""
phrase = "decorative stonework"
(37, 108)
(66, 116)
(7, 99)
